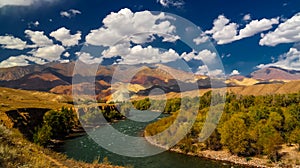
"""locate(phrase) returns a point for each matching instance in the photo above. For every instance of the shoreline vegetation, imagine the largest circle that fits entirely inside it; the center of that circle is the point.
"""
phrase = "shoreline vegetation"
(222, 156)
(256, 131)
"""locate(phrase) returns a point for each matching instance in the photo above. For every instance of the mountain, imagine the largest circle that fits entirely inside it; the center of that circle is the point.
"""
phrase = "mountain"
(239, 80)
(275, 74)
(138, 80)
(57, 78)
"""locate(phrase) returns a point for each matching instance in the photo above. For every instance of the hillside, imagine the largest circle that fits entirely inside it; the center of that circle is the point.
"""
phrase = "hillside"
(57, 78)
(255, 90)
(13, 99)
(33, 156)
(275, 73)
(20, 111)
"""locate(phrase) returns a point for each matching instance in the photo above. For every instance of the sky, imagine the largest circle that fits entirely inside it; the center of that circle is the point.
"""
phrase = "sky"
(245, 35)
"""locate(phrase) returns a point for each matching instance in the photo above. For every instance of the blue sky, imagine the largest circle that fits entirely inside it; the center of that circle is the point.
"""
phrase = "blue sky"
(246, 34)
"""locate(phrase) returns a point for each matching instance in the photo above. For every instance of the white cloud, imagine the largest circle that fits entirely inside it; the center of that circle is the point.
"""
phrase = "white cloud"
(215, 73)
(21, 60)
(203, 70)
(10, 42)
(88, 58)
(167, 3)
(287, 32)
(21, 2)
(125, 23)
(67, 54)
(257, 26)
(188, 56)
(63, 35)
(138, 54)
(205, 55)
(289, 60)
(225, 32)
(38, 38)
(234, 72)
(49, 53)
(35, 24)
(70, 13)
(64, 61)
(208, 58)
(201, 39)
(247, 17)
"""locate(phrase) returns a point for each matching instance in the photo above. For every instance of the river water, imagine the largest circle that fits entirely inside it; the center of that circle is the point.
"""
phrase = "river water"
(84, 148)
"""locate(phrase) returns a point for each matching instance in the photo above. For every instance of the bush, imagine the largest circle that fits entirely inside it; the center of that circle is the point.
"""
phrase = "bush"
(42, 135)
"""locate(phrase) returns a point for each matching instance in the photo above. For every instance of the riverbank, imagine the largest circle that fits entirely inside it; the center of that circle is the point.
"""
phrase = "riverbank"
(225, 156)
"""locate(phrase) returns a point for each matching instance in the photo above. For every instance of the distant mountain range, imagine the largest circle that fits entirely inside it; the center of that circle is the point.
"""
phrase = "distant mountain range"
(57, 78)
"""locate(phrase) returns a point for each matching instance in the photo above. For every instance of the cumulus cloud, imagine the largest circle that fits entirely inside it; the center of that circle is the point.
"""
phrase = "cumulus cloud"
(88, 58)
(67, 54)
(287, 32)
(49, 53)
(21, 60)
(11, 42)
(225, 32)
(167, 3)
(257, 26)
(70, 13)
(201, 39)
(139, 54)
(234, 72)
(208, 58)
(125, 23)
(64, 36)
(247, 17)
(38, 38)
(203, 70)
(289, 60)
(205, 55)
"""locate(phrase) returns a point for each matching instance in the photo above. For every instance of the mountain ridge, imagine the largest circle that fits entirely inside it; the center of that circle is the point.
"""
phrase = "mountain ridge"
(58, 77)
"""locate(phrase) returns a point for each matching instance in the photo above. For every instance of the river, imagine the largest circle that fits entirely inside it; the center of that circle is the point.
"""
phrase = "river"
(84, 148)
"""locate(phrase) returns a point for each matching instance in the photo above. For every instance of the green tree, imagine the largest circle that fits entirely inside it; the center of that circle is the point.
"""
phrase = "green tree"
(295, 137)
(42, 135)
(275, 120)
(234, 135)
(268, 140)
(57, 121)
(214, 141)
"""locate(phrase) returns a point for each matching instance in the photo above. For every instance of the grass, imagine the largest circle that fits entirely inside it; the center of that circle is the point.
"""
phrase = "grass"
(16, 151)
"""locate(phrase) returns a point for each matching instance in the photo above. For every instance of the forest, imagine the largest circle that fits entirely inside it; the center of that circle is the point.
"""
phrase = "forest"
(249, 126)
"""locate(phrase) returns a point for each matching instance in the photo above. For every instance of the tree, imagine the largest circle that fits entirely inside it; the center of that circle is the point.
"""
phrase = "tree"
(234, 135)
(275, 120)
(268, 140)
(57, 121)
(295, 137)
(213, 142)
(42, 135)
